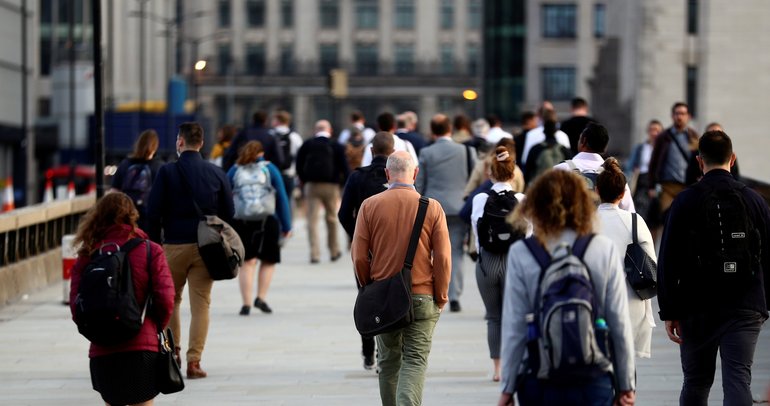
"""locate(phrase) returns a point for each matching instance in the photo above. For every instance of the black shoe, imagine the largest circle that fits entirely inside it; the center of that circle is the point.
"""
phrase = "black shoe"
(314, 261)
(336, 257)
(245, 310)
(454, 306)
(368, 362)
(261, 305)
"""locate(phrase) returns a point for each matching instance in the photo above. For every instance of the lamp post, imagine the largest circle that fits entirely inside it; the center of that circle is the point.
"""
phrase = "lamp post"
(200, 65)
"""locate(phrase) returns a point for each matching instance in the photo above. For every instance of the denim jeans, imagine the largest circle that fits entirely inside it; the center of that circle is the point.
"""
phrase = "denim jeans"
(403, 355)
(735, 336)
(534, 392)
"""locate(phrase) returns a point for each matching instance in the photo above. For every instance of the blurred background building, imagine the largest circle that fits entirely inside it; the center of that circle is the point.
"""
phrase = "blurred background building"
(630, 59)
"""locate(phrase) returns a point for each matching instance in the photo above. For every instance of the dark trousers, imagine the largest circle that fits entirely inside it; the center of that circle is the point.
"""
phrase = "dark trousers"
(596, 392)
(735, 337)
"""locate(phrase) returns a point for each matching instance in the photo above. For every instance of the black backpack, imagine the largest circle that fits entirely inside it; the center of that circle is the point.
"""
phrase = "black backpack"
(319, 163)
(726, 242)
(106, 310)
(495, 233)
(137, 184)
(284, 144)
(375, 181)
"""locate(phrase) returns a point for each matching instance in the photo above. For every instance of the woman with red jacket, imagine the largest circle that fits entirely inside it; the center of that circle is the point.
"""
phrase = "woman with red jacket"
(125, 373)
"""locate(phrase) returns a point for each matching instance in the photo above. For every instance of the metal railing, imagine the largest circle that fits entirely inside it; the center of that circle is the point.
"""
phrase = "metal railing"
(36, 229)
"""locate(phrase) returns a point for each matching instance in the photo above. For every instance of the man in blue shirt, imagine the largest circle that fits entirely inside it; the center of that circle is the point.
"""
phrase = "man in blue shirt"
(173, 215)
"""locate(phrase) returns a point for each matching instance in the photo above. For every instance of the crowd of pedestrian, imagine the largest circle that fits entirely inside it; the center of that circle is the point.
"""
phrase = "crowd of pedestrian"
(545, 214)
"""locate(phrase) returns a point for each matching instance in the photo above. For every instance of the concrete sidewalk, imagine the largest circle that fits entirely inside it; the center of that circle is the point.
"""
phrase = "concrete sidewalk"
(307, 351)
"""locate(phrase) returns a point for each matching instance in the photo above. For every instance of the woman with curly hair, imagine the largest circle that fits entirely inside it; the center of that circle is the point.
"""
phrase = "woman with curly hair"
(124, 373)
(562, 212)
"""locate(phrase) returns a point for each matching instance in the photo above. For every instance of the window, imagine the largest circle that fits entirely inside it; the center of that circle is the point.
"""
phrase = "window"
(223, 59)
(223, 12)
(692, 17)
(45, 56)
(287, 13)
(330, 12)
(559, 20)
(366, 14)
(404, 59)
(328, 57)
(473, 59)
(447, 14)
(558, 83)
(447, 59)
(366, 59)
(255, 59)
(474, 14)
(692, 89)
(600, 20)
(405, 14)
(255, 13)
(287, 60)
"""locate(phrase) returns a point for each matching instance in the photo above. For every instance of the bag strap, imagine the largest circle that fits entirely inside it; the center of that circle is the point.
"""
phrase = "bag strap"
(129, 245)
(572, 165)
(189, 188)
(468, 161)
(416, 231)
(634, 229)
(678, 146)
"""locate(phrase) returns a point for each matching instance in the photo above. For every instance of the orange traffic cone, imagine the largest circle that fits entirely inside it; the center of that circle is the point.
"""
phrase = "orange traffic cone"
(8, 203)
(71, 190)
(48, 194)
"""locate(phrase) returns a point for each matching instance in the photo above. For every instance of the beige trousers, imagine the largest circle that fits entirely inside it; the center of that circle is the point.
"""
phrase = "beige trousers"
(328, 195)
(187, 266)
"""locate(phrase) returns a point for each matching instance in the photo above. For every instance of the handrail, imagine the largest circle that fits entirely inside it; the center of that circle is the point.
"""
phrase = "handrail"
(36, 229)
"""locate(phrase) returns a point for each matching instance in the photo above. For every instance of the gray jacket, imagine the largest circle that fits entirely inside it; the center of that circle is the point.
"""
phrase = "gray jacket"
(444, 173)
(604, 262)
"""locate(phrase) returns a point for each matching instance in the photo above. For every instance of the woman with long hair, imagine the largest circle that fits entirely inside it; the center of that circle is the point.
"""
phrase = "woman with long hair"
(490, 268)
(136, 174)
(251, 177)
(562, 212)
(125, 373)
(616, 224)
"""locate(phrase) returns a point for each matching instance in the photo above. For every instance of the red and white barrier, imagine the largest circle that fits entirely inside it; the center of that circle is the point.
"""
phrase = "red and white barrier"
(68, 257)
(8, 203)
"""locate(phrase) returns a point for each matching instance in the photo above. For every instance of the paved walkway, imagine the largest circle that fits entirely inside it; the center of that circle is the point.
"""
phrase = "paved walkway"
(307, 351)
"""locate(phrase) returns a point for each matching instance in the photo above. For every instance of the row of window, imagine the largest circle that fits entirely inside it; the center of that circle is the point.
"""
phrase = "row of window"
(366, 59)
(366, 13)
(560, 20)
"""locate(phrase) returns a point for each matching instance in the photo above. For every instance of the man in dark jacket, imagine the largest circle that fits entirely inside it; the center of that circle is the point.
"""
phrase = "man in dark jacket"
(577, 122)
(322, 169)
(712, 275)
(172, 211)
(363, 183)
(257, 132)
(669, 163)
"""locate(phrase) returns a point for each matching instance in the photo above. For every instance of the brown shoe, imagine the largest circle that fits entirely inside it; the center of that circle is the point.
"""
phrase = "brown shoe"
(194, 370)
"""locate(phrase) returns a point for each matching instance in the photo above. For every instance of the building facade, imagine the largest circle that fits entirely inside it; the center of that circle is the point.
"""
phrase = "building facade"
(398, 55)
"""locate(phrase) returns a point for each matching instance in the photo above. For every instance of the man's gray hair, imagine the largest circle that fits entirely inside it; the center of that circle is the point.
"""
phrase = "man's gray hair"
(400, 163)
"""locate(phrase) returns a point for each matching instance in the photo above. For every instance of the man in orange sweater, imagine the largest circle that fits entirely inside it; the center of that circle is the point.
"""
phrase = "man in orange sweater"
(383, 228)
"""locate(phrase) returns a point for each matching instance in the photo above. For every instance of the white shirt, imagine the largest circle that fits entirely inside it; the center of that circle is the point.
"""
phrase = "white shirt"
(588, 161)
(644, 159)
(536, 136)
(616, 224)
(367, 132)
(496, 134)
(295, 142)
(480, 200)
(398, 145)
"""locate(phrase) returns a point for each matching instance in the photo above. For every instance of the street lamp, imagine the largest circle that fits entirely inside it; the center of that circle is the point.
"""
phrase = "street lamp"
(200, 65)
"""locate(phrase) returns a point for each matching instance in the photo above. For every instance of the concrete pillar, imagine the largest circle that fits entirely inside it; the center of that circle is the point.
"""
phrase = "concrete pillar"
(303, 122)
(345, 50)
(306, 51)
(238, 25)
(273, 20)
(461, 36)
(427, 27)
(428, 108)
(385, 44)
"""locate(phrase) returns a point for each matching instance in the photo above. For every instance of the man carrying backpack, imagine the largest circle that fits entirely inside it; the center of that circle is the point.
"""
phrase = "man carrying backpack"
(289, 143)
(712, 275)
(588, 162)
(257, 132)
(549, 152)
(363, 183)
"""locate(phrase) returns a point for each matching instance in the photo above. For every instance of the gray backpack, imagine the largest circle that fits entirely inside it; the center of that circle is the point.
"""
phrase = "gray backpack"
(254, 193)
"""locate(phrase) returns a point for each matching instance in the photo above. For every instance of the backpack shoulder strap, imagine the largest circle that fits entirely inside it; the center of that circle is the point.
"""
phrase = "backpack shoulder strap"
(581, 245)
(634, 229)
(416, 231)
(572, 165)
(129, 245)
(542, 256)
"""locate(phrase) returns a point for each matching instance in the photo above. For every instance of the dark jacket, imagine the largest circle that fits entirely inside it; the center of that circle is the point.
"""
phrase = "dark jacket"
(157, 277)
(120, 173)
(356, 191)
(323, 145)
(417, 140)
(573, 127)
(171, 200)
(660, 153)
(677, 266)
(255, 133)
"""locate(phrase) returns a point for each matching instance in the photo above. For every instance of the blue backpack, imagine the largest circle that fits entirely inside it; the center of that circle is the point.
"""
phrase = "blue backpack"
(137, 184)
(571, 337)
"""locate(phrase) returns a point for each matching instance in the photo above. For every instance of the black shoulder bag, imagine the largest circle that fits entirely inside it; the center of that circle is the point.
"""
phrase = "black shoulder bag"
(219, 245)
(641, 270)
(386, 305)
